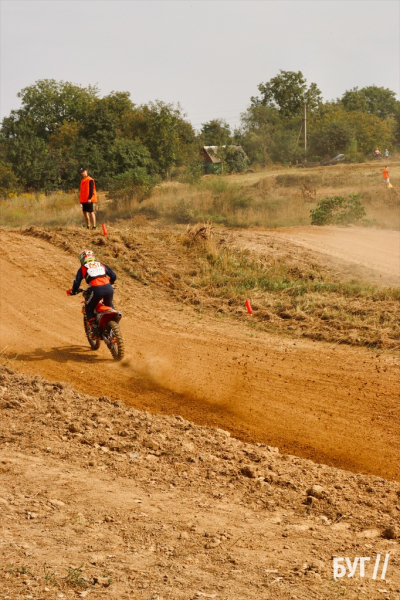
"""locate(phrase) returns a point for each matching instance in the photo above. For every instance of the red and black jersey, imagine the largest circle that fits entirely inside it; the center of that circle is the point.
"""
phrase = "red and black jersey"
(95, 273)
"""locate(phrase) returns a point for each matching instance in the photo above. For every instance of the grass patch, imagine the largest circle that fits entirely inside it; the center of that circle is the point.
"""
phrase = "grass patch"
(223, 202)
(301, 299)
(49, 577)
(75, 577)
(271, 198)
(289, 289)
(229, 273)
(275, 199)
(38, 209)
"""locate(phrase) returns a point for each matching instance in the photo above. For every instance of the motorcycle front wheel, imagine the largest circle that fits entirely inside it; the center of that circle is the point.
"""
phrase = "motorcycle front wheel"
(113, 338)
(94, 344)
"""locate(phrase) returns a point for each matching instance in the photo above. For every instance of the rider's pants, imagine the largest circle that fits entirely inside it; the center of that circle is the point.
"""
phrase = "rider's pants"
(97, 293)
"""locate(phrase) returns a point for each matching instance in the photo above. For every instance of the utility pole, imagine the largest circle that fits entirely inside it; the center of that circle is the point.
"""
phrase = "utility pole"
(305, 127)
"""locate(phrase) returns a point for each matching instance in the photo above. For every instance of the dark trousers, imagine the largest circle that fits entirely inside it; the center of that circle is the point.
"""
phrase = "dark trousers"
(97, 293)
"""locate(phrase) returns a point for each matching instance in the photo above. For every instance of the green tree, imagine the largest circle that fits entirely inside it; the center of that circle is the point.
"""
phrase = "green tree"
(49, 104)
(335, 124)
(236, 160)
(163, 129)
(34, 164)
(331, 137)
(126, 154)
(9, 184)
(102, 144)
(216, 133)
(287, 93)
(107, 118)
(396, 124)
(135, 184)
(61, 125)
(266, 136)
(378, 101)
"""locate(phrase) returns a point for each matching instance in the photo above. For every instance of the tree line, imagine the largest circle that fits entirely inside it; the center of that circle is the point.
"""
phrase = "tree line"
(61, 126)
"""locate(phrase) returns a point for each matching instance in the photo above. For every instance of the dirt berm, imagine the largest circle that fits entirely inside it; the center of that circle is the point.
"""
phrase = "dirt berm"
(100, 500)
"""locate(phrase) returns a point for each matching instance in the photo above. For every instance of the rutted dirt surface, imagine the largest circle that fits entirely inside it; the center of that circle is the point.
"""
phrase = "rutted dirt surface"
(99, 500)
(332, 404)
(373, 252)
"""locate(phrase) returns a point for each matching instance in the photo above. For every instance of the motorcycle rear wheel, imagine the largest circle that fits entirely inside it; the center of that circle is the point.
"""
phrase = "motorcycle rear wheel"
(115, 341)
(94, 344)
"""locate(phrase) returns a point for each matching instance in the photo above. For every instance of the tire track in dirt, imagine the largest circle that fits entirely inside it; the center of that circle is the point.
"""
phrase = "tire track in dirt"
(335, 405)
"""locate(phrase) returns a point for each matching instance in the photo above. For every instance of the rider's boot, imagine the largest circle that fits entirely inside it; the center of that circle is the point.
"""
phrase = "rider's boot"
(94, 330)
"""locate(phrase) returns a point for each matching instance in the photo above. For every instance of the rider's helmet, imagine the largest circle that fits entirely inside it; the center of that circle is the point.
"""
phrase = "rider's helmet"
(86, 256)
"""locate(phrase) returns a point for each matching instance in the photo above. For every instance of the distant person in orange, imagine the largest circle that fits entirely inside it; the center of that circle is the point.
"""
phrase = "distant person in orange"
(385, 174)
(88, 197)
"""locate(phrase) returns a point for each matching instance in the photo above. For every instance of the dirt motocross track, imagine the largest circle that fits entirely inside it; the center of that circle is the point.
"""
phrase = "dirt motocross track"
(376, 252)
(333, 404)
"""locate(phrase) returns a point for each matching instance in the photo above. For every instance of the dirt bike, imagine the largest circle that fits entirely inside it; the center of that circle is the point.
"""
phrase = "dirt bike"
(107, 320)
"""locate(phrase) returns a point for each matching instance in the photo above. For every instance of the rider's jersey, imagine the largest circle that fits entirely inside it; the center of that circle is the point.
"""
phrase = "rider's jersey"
(95, 273)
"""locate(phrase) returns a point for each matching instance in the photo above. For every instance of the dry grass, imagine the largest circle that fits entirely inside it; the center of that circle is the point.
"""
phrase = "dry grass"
(221, 201)
(291, 291)
(38, 209)
(270, 198)
(280, 198)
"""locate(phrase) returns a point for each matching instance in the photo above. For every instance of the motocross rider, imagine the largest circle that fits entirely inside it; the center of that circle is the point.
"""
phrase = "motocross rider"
(99, 277)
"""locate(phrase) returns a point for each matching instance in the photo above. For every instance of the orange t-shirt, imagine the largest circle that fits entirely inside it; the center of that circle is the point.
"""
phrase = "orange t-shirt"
(385, 173)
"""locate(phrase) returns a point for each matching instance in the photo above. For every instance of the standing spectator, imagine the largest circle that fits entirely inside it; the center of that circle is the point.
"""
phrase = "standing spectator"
(386, 153)
(385, 174)
(377, 152)
(88, 197)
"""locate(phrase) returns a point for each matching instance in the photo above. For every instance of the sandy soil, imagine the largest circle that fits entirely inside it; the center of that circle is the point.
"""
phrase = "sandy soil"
(99, 500)
(376, 251)
(336, 405)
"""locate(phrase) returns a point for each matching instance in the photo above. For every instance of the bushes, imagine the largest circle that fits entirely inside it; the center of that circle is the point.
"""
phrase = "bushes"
(8, 181)
(331, 138)
(236, 160)
(183, 212)
(338, 210)
(133, 184)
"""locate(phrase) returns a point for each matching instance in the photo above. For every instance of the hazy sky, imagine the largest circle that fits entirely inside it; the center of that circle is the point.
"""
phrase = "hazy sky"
(208, 55)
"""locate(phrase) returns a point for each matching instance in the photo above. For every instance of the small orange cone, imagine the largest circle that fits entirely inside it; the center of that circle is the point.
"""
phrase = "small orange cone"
(104, 228)
(248, 306)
